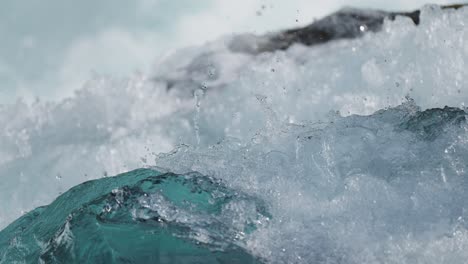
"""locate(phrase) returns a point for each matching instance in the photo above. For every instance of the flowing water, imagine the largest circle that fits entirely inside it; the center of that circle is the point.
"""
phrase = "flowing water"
(354, 151)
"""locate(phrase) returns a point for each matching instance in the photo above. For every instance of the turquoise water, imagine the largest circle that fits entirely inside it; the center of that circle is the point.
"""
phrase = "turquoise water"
(114, 220)
(393, 181)
(337, 153)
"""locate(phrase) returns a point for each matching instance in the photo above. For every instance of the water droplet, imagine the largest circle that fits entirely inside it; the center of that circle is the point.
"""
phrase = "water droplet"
(107, 208)
(211, 71)
(196, 119)
(203, 87)
(260, 97)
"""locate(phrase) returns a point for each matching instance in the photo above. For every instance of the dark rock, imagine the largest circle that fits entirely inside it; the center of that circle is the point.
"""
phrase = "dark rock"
(345, 24)
(205, 70)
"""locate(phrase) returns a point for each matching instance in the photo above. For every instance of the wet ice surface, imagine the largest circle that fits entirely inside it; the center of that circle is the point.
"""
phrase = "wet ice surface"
(293, 127)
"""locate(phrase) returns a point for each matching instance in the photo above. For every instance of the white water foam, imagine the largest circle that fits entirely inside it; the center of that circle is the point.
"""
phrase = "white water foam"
(353, 191)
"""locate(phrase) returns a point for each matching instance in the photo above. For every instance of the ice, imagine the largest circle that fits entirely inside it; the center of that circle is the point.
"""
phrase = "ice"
(335, 138)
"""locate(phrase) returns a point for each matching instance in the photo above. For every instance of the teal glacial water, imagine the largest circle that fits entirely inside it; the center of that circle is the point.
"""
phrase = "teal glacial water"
(139, 217)
(349, 152)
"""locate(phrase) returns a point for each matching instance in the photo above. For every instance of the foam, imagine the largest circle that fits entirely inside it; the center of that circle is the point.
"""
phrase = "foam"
(357, 183)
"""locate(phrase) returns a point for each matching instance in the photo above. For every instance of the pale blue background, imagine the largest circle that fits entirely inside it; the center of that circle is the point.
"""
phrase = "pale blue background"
(48, 48)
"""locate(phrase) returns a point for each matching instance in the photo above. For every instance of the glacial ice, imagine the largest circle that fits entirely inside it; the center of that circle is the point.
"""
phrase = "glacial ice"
(349, 144)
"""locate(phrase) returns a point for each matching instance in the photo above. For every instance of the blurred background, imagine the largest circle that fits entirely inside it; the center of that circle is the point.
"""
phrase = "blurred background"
(50, 48)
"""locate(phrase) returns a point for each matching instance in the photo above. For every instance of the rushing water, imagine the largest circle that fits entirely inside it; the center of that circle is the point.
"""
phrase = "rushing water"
(354, 151)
